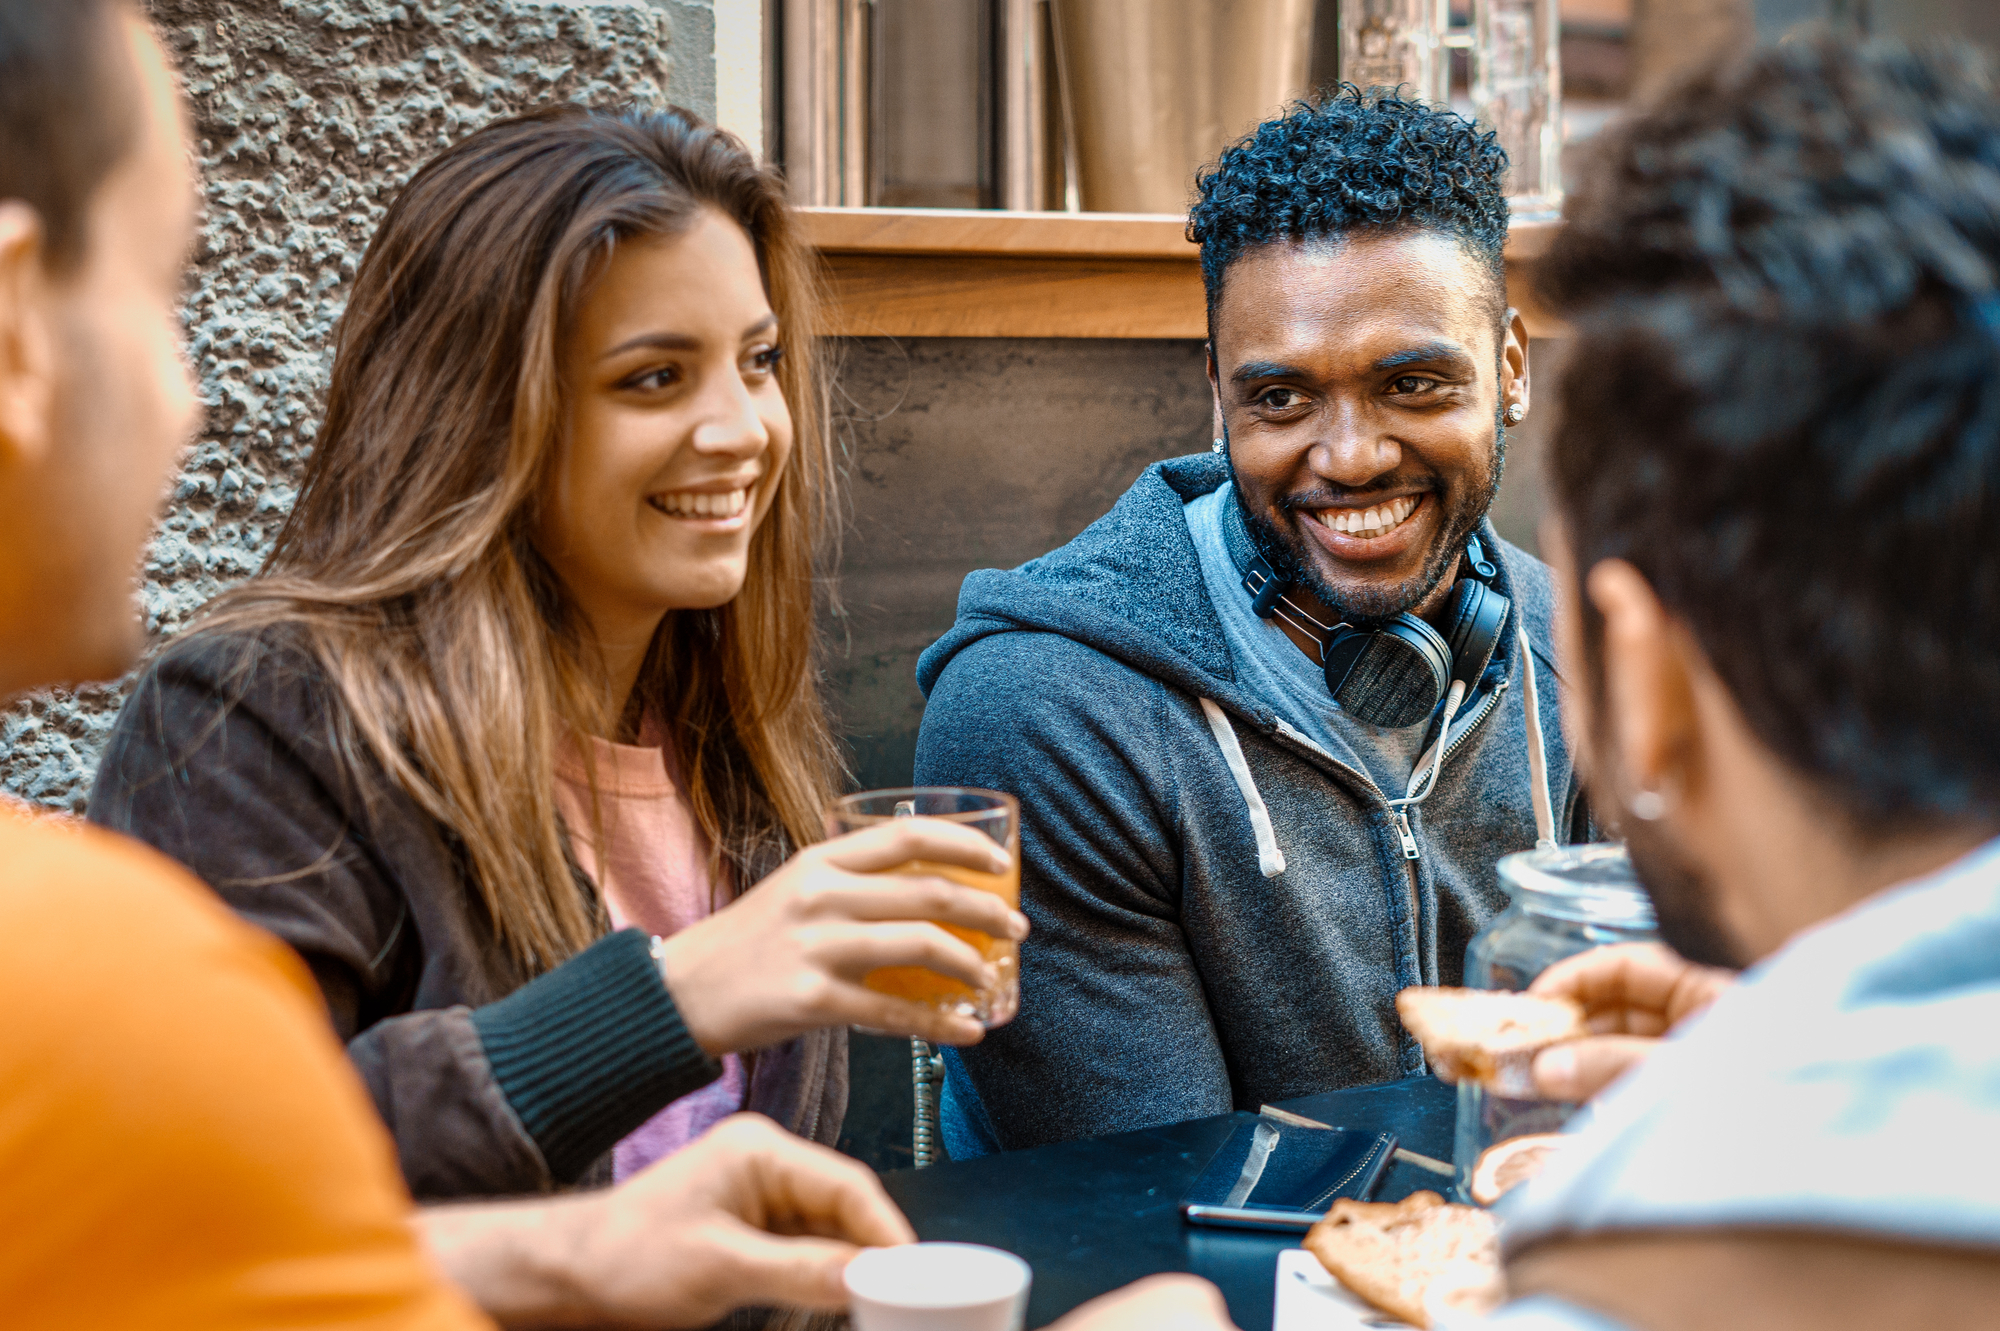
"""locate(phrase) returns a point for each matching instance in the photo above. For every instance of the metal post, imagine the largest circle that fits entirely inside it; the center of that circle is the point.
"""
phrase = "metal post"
(857, 34)
(825, 46)
(927, 1074)
(1517, 92)
(1397, 44)
(1066, 85)
(1022, 115)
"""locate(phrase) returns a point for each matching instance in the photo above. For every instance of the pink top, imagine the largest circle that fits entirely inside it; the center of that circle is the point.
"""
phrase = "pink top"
(655, 878)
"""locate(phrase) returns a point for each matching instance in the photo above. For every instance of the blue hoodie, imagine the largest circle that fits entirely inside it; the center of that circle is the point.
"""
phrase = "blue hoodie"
(1223, 910)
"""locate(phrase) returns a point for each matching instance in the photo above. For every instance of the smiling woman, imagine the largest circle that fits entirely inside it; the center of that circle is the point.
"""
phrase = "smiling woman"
(530, 676)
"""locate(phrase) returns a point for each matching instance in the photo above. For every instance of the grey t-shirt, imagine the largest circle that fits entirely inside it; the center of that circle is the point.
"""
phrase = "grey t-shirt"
(1270, 665)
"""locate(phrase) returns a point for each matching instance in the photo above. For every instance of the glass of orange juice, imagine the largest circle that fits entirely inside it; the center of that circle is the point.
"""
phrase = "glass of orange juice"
(987, 811)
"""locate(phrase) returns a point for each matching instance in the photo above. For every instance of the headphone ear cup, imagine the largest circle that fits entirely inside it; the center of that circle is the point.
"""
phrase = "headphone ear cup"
(1474, 621)
(1391, 677)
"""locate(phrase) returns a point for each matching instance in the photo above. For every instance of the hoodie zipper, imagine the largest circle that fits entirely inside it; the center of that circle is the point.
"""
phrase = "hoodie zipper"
(1411, 851)
(1401, 816)
(1478, 718)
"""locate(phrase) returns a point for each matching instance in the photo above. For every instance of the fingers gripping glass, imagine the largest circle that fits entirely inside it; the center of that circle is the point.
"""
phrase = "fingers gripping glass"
(990, 813)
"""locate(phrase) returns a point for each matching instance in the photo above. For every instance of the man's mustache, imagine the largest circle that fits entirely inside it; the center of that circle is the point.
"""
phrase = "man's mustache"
(1322, 496)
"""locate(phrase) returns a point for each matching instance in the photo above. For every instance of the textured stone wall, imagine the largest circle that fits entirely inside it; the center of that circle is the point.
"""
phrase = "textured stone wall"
(308, 116)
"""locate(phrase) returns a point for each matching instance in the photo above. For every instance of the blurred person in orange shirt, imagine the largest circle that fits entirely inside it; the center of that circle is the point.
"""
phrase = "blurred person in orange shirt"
(182, 1142)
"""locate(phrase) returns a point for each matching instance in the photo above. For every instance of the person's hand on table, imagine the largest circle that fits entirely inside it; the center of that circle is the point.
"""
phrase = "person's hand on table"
(789, 955)
(1157, 1303)
(1632, 995)
(748, 1215)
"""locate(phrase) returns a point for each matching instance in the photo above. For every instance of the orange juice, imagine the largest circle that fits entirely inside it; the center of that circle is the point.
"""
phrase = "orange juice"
(928, 987)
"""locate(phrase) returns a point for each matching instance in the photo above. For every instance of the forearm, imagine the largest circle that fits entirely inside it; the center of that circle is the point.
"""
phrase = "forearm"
(587, 1052)
(519, 1261)
(1761, 1280)
(681, 1244)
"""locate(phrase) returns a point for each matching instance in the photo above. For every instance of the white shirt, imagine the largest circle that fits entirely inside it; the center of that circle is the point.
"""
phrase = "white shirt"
(1851, 1082)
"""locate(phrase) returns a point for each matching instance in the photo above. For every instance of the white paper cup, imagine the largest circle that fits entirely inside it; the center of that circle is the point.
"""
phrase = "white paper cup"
(938, 1287)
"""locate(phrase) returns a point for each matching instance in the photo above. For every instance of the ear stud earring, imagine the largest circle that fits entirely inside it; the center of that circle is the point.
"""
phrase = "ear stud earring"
(1516, 413)
(1647, 805)
(1216, 447)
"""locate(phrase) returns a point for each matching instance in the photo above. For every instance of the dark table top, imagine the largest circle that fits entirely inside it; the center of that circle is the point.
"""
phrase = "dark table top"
(1092, 1215)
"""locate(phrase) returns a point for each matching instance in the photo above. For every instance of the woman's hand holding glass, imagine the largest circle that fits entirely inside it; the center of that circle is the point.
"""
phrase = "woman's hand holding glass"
(791, 954)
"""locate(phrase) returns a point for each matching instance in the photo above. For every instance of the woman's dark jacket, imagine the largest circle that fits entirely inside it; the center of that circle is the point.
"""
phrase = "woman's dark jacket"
(491, 1082)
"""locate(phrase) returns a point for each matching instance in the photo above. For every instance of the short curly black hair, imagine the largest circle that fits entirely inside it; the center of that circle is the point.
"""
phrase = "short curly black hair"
(1784, 406)
(1820, 175)
(1351, 161)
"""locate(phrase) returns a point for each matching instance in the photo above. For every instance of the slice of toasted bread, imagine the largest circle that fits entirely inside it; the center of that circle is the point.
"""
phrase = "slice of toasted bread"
(1487, 1035)
(1390, 1253)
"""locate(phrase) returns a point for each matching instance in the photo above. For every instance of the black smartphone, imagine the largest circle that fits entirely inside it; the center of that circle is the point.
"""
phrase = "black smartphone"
(1282, 1176)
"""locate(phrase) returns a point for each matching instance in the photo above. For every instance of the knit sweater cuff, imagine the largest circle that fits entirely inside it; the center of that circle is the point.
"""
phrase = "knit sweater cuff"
(590, 1050)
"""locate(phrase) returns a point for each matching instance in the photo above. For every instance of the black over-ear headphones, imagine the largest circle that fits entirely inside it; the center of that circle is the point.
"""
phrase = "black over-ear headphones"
(1395, 675)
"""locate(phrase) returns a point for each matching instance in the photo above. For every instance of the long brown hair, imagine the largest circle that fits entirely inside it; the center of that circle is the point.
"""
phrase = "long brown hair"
(406, 564)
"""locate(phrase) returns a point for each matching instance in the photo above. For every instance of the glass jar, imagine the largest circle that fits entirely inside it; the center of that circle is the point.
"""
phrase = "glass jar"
(1397, 44)
(1517, 93)
(1564, 901)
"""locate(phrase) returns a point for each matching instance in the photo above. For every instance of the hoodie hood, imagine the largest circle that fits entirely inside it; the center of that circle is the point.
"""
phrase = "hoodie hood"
(1130, 585)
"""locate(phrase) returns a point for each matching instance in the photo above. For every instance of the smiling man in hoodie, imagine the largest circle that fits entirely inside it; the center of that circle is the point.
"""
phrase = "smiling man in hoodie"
(1221, 705)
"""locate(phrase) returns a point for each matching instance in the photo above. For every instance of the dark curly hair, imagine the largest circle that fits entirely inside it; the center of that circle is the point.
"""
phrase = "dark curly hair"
(1825, 176)
(1784, 407)
(1352, 161)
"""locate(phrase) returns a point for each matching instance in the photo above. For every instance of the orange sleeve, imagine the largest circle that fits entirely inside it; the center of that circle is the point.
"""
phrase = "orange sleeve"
(182, 1142)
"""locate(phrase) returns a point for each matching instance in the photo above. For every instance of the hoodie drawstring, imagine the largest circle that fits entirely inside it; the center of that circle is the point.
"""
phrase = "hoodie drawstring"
(1270, 860)
(1538, 757)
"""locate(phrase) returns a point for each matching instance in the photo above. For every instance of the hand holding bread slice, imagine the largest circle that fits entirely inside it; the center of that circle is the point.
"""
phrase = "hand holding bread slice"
(1488, 1036)
(1404, 1257)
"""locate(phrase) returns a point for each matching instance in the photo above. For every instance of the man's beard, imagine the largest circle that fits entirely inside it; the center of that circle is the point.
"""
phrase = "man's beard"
(1683, 899)
(1286, 550)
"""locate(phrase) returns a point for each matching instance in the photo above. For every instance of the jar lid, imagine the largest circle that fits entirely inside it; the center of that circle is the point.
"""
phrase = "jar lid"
(1594, 884)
